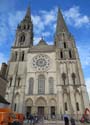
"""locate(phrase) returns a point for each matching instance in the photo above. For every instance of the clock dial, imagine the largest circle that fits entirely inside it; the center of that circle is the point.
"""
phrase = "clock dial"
(41, 62)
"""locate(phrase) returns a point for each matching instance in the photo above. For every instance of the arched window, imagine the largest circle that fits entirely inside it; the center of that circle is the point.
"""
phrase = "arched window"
(41, 84)
(61, 54)
(77, 106)
(22, 58)
(28, 26)
(51, 85)
(66, 108)
(73, 78)
(70, 54)
(22, 39)
(64, 45)
(18, 83)
(64, 78)
(16, 56)
(10, 82)
(31, 83)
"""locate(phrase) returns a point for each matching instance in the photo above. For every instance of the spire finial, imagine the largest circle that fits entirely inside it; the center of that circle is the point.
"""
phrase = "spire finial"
(28, 13)
(61, 25)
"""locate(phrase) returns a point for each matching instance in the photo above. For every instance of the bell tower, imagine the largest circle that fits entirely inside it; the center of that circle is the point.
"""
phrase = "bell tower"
(64, 41)
(24, 33)
(70, 79)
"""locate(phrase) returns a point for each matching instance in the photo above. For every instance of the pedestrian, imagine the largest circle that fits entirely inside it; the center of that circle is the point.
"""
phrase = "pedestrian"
(66, 119)
(72, 121)
(27, 116)
(31, 118)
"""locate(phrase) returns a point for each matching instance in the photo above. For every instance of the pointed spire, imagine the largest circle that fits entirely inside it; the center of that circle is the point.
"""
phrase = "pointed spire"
(28, 13)
(61, 25)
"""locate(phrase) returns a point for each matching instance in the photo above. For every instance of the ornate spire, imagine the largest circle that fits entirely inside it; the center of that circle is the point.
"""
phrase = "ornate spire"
(61, 25)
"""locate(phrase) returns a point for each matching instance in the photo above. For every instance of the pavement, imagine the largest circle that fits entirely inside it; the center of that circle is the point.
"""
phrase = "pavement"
(46, 122)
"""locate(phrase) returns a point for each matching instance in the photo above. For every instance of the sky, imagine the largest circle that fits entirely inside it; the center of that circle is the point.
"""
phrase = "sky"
(44, 12)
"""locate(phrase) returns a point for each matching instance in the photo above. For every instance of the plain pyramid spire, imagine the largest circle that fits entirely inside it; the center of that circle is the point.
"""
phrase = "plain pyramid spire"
(61, 25)
(28, 13)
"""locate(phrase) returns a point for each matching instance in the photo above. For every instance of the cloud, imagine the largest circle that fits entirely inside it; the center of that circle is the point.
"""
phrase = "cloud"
(36, 40)
(38, 24)
(75, 18)
(49, 16)
(14, 19)
(88, 86)
(3, 29)
(45, 20)
(8, 24)
(45, 34)
(84, 53)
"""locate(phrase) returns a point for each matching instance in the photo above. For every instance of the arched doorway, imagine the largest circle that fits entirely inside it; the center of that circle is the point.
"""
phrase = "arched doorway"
(29, 105)
(41, 104)
(52, 107)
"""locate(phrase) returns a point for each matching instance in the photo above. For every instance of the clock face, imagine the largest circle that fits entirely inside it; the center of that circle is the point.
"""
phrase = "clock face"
(41, 62)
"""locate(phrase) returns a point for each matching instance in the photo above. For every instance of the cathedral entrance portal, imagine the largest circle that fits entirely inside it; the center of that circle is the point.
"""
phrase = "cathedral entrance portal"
(41, 106)
(28, 111)
(52, 110)
(41, 111)
(29, 105)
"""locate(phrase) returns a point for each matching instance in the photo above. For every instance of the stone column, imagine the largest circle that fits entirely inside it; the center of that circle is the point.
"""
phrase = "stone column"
(85, 97)
(46, 84)
(60, 107)
(72, 101)
(36, 84)
(80, 73)
(22, 102)
(49, 113)
(34, 110)
(46, 111)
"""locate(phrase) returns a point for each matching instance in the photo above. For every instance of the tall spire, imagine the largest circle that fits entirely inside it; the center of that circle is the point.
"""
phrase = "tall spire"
(28, 13)
(61, 25)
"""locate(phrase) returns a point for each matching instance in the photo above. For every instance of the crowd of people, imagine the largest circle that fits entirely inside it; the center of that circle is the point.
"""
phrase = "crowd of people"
(32, 119)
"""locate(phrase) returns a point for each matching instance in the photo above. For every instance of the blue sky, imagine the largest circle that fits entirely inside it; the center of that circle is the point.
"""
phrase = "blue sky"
(44, 12)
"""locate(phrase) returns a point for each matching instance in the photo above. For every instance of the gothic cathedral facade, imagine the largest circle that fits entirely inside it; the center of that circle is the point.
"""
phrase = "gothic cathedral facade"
(45, 79)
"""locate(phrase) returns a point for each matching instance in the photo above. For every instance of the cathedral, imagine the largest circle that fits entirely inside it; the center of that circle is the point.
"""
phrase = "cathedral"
(45, 79)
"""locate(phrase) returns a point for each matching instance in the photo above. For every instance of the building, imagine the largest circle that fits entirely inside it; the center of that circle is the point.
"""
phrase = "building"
(3, 80)
(45, 79)
(3, 102)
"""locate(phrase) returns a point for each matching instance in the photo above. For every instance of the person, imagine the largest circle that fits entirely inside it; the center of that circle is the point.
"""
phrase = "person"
(31, 118)
(27, 116)
(72, 121)
(66, 119)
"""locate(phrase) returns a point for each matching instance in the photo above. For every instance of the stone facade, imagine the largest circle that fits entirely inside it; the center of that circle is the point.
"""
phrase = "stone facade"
(3, 80)
(46, 79)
